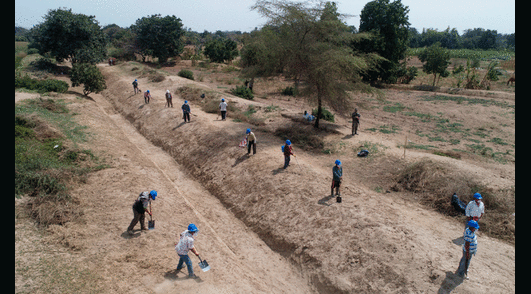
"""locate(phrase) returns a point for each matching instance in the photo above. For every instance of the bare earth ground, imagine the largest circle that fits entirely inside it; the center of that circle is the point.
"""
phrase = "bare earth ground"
(372, 243)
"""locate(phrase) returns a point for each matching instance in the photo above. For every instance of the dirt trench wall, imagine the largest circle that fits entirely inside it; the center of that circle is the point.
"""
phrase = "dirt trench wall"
(337, 249)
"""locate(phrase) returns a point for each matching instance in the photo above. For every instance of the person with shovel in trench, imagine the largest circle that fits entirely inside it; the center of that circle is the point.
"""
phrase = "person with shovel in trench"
(141, 206)
(185, 245)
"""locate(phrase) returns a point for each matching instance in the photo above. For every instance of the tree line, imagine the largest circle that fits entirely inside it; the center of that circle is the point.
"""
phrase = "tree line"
(477, 38)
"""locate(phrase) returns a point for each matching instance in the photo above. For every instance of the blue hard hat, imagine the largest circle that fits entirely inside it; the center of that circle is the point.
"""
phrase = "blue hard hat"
(222, 100)
(288, 142)
(185, 102)
(478, 196)
(248, 131)
(193, 228)
(338, 162)
(136, 80)
(473, 224)
(154, 195)
(149, 91)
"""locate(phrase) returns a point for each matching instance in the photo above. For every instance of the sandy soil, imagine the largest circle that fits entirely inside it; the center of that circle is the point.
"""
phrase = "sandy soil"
(265, 230)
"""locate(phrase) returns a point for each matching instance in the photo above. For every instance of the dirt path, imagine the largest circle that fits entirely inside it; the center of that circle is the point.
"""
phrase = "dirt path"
(263, 230)
(372, 242)
(241, 262)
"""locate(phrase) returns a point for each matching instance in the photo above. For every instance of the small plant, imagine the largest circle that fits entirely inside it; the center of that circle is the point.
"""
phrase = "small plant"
(290, 91)
(187, 74)
(326, 115)
(243, 92)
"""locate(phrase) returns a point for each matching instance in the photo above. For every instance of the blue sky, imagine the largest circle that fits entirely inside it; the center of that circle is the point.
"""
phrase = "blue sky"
(231, 15)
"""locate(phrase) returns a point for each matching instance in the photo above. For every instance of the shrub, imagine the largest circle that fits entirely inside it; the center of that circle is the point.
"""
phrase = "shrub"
(90, 76)
(326, 115)
(243, 92)
(41, 86)
(187, 74)
(290, 91)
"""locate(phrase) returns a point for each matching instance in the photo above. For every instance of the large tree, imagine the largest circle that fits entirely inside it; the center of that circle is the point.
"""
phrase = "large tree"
(159, 36)
(389, 22)
(308, 44)
(67, 35)
(436, 61)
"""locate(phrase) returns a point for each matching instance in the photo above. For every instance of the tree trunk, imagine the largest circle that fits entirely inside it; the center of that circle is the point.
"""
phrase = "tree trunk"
(434, 79)
(320, 110)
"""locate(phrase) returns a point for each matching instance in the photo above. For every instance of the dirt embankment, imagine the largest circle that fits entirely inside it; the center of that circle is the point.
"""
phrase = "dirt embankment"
(370, 243)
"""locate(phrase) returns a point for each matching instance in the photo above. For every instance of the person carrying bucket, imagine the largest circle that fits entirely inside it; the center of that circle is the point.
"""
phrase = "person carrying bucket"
(185, 245)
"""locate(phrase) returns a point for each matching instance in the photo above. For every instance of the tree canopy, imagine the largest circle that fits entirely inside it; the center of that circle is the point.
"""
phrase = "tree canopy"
(159, 36)
(67, 35)
(389, 23)
(310, 45)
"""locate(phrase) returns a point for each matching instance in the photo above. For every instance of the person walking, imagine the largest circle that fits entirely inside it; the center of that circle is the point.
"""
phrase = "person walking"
(186, 111)
(288, 151)
(169, 99)
(223, 108)
(147, 97)
(135, 87)
(355, 122)
(475, 209)
(338, 177)
(251, 142)
(141, 206)
(469, 248)
(185, 245)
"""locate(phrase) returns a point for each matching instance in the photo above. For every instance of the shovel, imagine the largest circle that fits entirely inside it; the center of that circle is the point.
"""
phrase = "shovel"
(204, 265)
(151, 224)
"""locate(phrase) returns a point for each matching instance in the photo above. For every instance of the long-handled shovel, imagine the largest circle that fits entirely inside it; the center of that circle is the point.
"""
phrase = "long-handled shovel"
(151, 224)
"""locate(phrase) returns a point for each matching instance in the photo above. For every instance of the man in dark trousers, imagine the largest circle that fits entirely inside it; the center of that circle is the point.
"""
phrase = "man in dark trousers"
(186, 111)
(288, 151)
(355, 122)
(135, 87)
(141, 206)
(338, 177)
(251, 142)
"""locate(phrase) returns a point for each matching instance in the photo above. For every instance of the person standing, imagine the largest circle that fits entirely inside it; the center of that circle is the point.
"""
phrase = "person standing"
(338, 177)
(469, 248)
(288, 151)
(169, 99)
(251, 142)
(135, 87)
(355, 122)
(223, 108)
(141, 206)
(186, 111)
(475, 209)
(185, 245)
(147, 97)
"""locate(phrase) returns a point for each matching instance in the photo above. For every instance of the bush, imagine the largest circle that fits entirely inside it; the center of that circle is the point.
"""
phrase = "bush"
(290, 91)
(90, 76)
(326, 115)
(243, 92)
(41, 86)
(187, 74)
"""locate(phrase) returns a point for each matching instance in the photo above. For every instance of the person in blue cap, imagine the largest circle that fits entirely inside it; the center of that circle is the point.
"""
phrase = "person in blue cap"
(141, 206)
(147, 97)
(288, 151)
(475, 209)
(338, 177)
(186, 111)
(135, 87)
(223, 108)
(183, 248)
(251, 142)
(469, 248)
